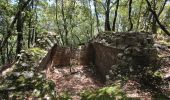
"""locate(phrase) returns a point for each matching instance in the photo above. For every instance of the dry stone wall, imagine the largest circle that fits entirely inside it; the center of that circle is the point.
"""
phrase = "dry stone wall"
(67, 56)
(59, 56)
(129, 54)
(124, 54)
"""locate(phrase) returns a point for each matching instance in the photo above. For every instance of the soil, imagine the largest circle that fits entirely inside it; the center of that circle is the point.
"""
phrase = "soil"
(83, 78)
(79, 79)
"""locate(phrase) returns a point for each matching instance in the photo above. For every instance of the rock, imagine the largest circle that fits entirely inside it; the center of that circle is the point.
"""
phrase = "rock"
(126, 51)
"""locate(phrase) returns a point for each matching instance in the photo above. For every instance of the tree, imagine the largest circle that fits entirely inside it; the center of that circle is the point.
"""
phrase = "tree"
(64, 24)
(9, 33)
(96, 14)
(139, 15)
(115, 17)
(30, 16)
(20, 24)
(156, 18)
(129, 17)
(107, 15)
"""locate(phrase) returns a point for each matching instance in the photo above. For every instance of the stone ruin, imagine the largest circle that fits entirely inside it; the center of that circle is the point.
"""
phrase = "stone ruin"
(124, 54)
(114, 55)
(59, 56)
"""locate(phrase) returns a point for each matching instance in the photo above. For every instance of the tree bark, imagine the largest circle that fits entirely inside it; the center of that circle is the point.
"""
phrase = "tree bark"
(30, 24)
(64, 24)
(154, 26)
(20, 24)
(107, 15)
(129, 17)
(58, 26)
(96, 13)
(115, 17)
(91, 20)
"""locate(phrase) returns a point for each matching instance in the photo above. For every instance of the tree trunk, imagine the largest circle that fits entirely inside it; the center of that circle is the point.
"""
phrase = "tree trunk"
(157, 19)
(107, 15)
(9, 32)
(162, 8)
(154, 26)
(64, 24)
(32, 36)
(2, 57)
(20, 23)
(139, 16)
(115, 17)
(91, 20)
(97, 17)
(130, 19)
(29, 33)
(31, 7)
(58, 26)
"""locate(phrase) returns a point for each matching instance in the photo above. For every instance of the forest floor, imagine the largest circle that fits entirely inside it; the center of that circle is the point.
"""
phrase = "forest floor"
(83, 78)
(73, 82)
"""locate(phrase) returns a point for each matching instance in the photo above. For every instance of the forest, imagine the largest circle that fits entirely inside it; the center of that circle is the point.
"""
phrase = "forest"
(84, 49)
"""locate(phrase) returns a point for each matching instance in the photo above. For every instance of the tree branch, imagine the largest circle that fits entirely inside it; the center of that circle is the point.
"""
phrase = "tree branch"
(157, 19)
(162, 8)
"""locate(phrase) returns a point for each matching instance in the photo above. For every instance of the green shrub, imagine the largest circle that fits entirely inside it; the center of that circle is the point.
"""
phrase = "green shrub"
(24, 81)
(107, 93)
(64, 96)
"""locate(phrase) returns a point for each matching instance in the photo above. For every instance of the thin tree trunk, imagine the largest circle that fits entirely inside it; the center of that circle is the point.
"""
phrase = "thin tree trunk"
(36, 18)
(71, 18)
(91, 20)
(107, 15)
(7, 51)
(96, 13)
(115, 17)
(20, 23)
(154, 27)
(139, 15)
(148, 16)
(129, 17)
(65, 24)
(2, 57)
(36, 36)
(162, 8)
(157, 19)
(12, 46)
(58, 26)
(32, 36)
(29, 33)
(30, 24)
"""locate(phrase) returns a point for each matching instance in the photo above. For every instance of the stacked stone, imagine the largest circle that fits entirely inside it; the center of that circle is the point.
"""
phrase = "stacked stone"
(127, 54)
